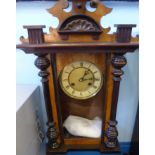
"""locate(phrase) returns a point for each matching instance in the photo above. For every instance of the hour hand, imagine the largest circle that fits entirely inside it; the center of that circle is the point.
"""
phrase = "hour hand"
(87, 79)
(86, 72)
(83, 79)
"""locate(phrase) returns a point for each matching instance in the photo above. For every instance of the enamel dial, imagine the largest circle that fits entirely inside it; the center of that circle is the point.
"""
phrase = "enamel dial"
(81, 80)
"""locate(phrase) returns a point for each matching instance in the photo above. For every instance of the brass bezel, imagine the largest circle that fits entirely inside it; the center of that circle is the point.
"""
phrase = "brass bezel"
(80, 98)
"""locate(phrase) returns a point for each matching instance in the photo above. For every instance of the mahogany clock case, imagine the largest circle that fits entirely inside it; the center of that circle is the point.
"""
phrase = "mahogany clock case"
(80, 37)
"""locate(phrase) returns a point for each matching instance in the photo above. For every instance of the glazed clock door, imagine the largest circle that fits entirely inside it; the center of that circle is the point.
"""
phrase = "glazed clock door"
(81, 85)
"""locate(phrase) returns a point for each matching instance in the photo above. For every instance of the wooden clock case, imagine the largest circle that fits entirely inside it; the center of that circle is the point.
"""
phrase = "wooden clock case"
(78, 37)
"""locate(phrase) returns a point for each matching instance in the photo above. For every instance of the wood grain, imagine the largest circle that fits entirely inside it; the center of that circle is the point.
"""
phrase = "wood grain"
(52, 97)
(80, 141)
(80, 47)
(58, 11)
(87, 108)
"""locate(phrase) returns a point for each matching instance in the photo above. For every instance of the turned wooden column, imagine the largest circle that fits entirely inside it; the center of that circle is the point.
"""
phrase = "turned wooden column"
(43, 63)
(35, 35)
(123, 35)
(118, 61)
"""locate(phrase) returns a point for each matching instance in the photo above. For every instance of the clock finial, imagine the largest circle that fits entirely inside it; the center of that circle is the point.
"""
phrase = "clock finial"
(79, 6)
(94, 3)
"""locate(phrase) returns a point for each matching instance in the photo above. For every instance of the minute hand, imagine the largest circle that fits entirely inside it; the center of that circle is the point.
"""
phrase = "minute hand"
(86, 73)
(82, 78)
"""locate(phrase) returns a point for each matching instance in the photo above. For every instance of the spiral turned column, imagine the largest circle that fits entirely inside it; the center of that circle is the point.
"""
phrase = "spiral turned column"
(43, 63)
(118, 61)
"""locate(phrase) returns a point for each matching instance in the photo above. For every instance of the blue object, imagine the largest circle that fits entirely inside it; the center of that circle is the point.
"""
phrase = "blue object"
(125, 146)
(90, 153)
(55, 0)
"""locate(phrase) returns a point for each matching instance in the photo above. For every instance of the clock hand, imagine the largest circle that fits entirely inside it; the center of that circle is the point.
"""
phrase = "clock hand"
(87, 79)
(83, 79)
(85, 74)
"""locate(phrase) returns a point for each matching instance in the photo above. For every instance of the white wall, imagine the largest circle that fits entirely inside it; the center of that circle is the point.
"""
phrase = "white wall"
(32, 13)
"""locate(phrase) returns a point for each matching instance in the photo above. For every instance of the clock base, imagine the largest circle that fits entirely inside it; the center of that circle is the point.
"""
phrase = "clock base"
(64, 148)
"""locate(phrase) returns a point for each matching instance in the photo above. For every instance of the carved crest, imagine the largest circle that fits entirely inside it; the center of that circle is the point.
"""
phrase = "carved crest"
(79, 24)
(79, 19)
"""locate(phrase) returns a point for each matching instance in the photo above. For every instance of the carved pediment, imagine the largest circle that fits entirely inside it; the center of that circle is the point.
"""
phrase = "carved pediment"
(79, 24)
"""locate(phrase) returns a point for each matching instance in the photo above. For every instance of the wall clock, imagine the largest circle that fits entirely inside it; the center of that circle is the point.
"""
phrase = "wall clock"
(80, 67)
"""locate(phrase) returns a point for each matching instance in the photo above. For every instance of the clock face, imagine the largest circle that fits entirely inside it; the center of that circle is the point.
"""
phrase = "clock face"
(81, 80)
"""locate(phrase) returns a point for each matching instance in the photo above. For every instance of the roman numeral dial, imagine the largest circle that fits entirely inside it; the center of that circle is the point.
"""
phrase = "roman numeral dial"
(81, 80)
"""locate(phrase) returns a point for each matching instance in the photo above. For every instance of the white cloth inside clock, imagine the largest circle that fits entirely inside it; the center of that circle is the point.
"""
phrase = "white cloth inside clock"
(79, 126)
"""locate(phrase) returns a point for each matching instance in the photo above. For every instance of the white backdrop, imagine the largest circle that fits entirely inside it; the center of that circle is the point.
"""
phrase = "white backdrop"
(33, 13)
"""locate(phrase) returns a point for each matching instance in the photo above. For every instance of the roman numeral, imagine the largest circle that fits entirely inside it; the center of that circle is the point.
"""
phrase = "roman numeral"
(96, 79)
(67, 87)
(95, 87)
(89, 92)
(89, 66)
(73, 66)
(67, 72)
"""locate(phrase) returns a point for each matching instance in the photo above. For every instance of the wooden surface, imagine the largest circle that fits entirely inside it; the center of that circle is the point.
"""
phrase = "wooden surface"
(53, 101)
(67, 57)
(54, 37)
(74, 46)
(80, 141)
(89, 108)
(58, 11)
(42, 63)
(77, 47)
